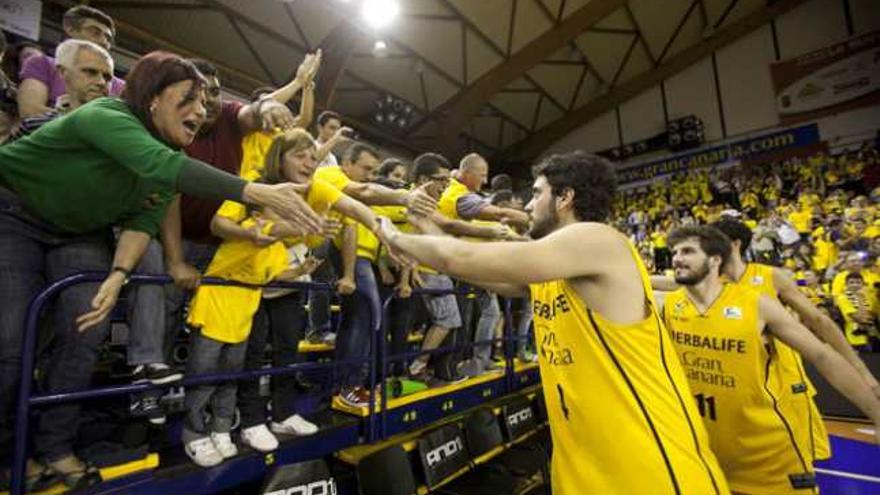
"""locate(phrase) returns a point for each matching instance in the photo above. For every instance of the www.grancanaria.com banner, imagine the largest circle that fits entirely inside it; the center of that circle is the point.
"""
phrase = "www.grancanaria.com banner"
(740, 150)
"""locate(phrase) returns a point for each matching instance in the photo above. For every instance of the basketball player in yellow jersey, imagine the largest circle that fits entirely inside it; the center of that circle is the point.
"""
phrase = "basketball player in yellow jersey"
(725, 335)
(621, 418)
(775, 283)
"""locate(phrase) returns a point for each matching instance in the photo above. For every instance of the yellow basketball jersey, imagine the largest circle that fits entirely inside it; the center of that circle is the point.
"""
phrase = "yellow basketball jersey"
(620, 414)
(734, 380)
(797, 383)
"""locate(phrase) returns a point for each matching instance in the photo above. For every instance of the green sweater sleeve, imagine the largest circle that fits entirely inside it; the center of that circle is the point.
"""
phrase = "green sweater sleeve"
(109, 126)
(204, 181)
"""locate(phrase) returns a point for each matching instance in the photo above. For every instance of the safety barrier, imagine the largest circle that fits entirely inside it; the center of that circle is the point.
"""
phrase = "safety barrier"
(376, 421)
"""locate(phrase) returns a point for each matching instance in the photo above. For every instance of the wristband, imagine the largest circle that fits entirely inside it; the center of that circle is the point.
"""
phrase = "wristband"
(126, 272)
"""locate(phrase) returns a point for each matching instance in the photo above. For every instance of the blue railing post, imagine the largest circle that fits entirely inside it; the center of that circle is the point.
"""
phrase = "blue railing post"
(509, 346)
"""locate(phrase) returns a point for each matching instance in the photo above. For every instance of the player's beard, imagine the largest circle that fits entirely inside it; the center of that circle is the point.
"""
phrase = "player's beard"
(544, 224)
(695, 276)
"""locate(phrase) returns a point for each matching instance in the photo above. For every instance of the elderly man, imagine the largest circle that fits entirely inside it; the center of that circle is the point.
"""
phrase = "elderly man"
(42, 83)
(86, 70)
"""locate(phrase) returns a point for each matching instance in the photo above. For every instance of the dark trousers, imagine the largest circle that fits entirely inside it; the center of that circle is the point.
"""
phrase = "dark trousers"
(281, 321)
(32, 254)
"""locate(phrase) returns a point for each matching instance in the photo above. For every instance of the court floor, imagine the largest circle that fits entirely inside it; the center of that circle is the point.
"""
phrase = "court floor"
(854, 468)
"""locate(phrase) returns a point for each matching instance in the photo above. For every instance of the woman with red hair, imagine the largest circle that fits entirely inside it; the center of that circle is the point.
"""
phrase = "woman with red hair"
(110, 163)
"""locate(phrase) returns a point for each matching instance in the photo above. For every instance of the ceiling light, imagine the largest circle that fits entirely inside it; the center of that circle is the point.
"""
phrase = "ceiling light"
(379, 13)
(380, 49)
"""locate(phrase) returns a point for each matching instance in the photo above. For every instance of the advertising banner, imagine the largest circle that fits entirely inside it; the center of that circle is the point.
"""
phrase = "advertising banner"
(775, 145)
(827, 81)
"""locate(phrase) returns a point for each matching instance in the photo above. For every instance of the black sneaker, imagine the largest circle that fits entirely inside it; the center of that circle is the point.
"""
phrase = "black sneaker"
(156, 373)
(147, 405)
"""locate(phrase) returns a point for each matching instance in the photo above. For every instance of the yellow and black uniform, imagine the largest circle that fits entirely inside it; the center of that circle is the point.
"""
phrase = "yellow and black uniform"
(735, 381)
(621, 417)
(224, 313)
(797, 384)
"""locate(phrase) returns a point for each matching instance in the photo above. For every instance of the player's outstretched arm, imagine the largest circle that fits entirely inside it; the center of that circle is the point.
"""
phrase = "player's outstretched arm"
(578, 250)
(839, 373)
(822, 326)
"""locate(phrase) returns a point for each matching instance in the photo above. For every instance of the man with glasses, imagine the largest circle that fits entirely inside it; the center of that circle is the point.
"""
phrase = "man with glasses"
(431, 171)
(42, 84)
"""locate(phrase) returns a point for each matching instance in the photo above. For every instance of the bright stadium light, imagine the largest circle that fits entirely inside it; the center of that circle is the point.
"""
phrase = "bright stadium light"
(379, 13)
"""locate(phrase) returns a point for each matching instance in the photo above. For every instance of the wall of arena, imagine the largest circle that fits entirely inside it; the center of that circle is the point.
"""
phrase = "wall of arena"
(732, 91)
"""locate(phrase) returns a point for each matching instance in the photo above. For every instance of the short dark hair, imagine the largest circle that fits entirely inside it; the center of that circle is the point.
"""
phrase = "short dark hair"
(326, 115)
(501, 182)
(712, 241)
(75, 16)
(150, 75)
(427, 165)
(354, 152)
(388, 165)
(735, 231)
(591, 178)
(502, 196)
(854, 276)
(206, 68)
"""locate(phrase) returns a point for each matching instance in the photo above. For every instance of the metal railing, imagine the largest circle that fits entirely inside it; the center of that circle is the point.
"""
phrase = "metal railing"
(377, 360)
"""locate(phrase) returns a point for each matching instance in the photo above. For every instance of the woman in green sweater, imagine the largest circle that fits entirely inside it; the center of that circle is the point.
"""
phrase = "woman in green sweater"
(110, 163)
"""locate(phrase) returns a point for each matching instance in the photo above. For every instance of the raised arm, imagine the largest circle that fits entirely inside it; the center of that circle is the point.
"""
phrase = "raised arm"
(822, 326)
(32, 98)
(830, 364)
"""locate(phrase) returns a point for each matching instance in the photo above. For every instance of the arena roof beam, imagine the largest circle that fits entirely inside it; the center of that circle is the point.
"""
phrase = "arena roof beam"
(467, 103)
(337, 48)
(533, 145)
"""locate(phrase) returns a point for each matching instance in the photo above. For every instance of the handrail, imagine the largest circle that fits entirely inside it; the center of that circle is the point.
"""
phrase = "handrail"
(376, 358)
(34, 312)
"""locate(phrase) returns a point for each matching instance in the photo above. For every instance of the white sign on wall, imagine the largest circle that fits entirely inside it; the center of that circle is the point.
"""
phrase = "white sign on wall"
(21, 17)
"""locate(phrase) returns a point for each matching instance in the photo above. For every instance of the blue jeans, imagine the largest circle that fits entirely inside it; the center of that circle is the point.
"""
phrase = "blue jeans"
(209, 356)
(146, 311)
(353, 339)
(32, 254)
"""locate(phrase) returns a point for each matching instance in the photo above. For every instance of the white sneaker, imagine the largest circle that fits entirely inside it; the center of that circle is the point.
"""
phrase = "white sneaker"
(203, 452)
(259, 438)
(223, 444)
(295, 425)
(417, 367)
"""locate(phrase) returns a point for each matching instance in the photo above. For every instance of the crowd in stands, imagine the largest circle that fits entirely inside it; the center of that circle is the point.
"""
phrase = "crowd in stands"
(817, 216)
(161, 174)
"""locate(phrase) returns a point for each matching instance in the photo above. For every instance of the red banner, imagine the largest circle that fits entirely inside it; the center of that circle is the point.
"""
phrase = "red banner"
(827, 81)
